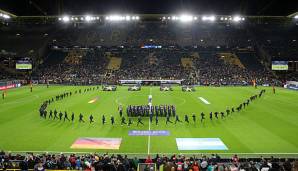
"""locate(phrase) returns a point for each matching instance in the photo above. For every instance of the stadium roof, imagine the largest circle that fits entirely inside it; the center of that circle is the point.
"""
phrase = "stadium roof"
(81, 7)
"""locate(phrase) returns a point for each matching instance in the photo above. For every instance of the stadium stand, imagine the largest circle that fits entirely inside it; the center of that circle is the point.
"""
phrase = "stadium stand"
(113, 162)
(254, 45)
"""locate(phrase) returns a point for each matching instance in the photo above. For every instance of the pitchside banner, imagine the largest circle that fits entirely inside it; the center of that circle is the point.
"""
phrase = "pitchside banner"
(280, 65)
(23, 65)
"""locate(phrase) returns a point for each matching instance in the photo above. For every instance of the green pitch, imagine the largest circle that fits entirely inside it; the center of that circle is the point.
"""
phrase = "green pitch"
(267, 125)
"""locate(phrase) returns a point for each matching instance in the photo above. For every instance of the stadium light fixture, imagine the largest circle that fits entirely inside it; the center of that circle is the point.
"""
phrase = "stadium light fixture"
(237, 18)
(6, 16)
(127, 18)
(296, 16)
(88, 18)
(65, 19)
(209, 18)
(186, 18)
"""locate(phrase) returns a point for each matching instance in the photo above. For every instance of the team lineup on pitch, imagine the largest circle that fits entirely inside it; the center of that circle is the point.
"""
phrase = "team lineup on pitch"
(208, 135)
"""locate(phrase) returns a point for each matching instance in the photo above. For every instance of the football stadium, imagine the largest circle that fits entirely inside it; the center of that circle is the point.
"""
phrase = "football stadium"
(85, 87)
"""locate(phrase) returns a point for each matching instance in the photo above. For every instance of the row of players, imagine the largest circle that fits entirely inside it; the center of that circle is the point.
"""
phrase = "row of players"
(146, 110)
(64, 117)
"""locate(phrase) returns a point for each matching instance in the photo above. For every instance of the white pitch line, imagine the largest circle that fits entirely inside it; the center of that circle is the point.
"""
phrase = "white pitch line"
(204, 100)
(85, 152)
(149, 128)
(148, 149)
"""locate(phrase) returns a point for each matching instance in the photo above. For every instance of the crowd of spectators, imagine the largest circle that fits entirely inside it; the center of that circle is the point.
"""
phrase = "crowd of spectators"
(111, 162)
(89, 69)
(276, 41)
(215, 71)
(153, 64)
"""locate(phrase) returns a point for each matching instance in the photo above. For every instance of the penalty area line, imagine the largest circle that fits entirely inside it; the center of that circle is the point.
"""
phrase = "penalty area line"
(204, 100)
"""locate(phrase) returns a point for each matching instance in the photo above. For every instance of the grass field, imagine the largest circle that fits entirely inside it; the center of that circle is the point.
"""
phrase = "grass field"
(267, 125)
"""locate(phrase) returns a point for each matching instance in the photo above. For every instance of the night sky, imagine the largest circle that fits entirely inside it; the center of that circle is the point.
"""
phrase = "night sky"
(81, 7)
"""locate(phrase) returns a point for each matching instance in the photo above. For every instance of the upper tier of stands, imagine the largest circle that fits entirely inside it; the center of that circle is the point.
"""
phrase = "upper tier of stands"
(245, 41)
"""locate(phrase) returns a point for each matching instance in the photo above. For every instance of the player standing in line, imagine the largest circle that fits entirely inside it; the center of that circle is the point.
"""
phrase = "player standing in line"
(3, 94)
(51, 114)
(55, 114)
(91, 118)
(65, 116)
(123, 121)
(168, 119)
(202, 117)
(228, 111)
(194, 118)
(273, 89)
(81, 118)
(103, 119)
(210, 116)
(156, 119)
(129, 121)
(186, 118)
(222, 115)
(72, 117)
(120, 110)
(112, 120)
(140, 120)
(151, 117)
(177, 119)
(60, 115)
(216, 115)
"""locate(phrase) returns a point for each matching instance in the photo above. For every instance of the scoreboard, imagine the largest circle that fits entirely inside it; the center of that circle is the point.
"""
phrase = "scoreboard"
(280, 65)
(23, 65)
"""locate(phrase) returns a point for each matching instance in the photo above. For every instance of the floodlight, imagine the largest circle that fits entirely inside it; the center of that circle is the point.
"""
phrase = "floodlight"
(127, 18)
(59, 18)
(208, 18)
(169, 18)
(5, 16)
(296, 16)
(195, 18)
(186, 18)
(137, 17)
(65, 19)
(88, 18)
(163, 18)
(237, 18)
(116, 18)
